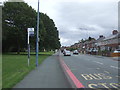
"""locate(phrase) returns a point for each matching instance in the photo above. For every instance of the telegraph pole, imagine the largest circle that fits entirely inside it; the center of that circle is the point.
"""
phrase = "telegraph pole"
(37, 38)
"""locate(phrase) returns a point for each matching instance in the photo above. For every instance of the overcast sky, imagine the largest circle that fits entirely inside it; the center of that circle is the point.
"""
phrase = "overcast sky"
(77, 19)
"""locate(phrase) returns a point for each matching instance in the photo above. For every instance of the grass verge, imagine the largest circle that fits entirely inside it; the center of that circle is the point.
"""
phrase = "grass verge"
(14, 67)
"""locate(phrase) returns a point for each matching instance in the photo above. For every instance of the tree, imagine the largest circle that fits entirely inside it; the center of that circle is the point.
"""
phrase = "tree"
(52, 34)
(15, 0)
(19, 16)
(90, 38)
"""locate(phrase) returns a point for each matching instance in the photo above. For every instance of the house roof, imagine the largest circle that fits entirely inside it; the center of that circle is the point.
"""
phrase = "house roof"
(112, 36)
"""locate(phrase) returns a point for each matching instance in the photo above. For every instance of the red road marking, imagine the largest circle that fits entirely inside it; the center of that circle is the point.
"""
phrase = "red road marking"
(71, 75)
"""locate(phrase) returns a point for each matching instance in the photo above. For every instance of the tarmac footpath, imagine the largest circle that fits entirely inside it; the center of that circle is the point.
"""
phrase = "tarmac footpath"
(48, 75)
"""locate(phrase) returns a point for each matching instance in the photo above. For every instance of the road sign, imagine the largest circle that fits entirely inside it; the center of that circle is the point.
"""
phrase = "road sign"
(31, 31)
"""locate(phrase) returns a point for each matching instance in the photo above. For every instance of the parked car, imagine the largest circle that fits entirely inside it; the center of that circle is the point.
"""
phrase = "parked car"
(117, 51)
(89, 51)
(75, 52)
(95, 50)
(67, 53)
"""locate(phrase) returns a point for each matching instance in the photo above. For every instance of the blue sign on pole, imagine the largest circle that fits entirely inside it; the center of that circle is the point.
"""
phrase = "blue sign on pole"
(31, 34)
(31, 31)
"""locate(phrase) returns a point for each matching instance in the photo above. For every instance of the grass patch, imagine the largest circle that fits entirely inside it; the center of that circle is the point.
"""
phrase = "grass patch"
(32, 53)
(15, 67)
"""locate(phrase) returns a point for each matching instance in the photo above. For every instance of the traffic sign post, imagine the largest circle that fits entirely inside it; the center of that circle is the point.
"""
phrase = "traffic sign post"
(30, 33)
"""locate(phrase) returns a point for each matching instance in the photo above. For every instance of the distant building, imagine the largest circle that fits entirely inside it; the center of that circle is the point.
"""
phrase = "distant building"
(103, 43)
(98, 42)
(76, 45)
(111, 42)
(115, 32)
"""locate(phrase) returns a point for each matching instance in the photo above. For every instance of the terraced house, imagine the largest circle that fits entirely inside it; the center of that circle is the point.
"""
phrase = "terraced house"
(111, 42)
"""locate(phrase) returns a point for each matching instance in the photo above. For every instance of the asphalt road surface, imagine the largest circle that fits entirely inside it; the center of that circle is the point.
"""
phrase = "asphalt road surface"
(94, 71)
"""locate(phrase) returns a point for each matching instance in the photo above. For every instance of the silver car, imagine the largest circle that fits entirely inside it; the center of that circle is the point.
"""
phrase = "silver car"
(75, 52)
(67, 53)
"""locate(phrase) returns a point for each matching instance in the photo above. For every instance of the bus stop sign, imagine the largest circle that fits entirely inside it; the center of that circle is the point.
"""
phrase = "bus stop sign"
(31, 31)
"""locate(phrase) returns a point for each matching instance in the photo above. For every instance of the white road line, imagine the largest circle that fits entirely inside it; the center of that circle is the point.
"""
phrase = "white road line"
(98, 62)
(98, 68)
(87, 59)
(117, 76)
(106, 72)
(114, 67)
(75, 55)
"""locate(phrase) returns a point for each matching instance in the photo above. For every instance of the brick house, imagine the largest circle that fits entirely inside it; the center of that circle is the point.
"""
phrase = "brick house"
(110, 43)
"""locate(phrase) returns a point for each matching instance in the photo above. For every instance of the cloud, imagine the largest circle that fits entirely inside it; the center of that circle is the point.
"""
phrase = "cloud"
(94, 18)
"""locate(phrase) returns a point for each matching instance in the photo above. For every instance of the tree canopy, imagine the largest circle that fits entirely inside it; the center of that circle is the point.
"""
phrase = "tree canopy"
(16, 18)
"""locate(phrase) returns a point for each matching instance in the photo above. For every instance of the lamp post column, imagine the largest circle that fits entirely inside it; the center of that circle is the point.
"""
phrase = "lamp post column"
(37, 38)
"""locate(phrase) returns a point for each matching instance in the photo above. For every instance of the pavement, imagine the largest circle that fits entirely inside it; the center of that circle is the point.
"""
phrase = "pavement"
(48, 75)
(91, 71)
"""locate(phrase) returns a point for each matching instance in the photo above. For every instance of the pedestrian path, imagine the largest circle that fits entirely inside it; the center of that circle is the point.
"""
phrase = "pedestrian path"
(48, 75)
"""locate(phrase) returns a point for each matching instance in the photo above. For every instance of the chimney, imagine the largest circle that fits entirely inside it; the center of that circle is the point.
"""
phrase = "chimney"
(114, 32)
(100, 36)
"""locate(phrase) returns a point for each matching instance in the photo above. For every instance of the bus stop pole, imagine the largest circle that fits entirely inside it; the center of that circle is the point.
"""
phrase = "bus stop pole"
(28, 50)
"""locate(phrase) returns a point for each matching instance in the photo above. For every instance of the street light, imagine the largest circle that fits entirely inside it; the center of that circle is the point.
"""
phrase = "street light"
(37, 37)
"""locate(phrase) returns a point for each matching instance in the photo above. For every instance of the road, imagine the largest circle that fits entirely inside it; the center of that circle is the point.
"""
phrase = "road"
(94, 71)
